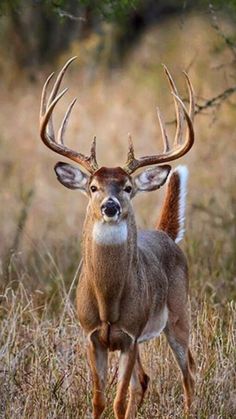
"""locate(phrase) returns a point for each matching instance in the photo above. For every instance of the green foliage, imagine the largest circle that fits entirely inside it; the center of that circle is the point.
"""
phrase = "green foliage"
(229, 4)
(29, 26)
(228, 7)
(111, 10)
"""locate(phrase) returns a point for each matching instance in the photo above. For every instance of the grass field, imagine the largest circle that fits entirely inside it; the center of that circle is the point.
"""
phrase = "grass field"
(43, 370)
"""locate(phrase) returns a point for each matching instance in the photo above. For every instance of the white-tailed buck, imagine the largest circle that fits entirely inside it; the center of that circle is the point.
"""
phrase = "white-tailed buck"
(133, 284)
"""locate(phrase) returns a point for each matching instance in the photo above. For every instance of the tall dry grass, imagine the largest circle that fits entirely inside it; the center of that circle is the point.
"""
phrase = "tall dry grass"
(43, 371)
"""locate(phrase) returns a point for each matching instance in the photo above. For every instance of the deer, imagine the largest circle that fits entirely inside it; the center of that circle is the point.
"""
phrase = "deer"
(133, 283)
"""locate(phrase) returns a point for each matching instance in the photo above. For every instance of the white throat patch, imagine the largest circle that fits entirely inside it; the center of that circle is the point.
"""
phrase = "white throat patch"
(110, 233)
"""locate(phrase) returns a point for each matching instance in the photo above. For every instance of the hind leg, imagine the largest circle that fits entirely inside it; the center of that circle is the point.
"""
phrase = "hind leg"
(143, 378)
(177, 333)
(138, 386)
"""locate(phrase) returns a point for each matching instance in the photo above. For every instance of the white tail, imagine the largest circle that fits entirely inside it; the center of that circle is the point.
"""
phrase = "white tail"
(183, 176)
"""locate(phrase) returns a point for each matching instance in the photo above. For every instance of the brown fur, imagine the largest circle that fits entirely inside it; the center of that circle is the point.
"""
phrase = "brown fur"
(169, 217)
(121, 287)
(116, 174)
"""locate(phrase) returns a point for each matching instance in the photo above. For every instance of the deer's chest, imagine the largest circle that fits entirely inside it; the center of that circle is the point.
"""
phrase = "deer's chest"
(109, 234)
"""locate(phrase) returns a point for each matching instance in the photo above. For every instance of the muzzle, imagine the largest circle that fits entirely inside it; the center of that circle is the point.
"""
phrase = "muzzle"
(111, 208)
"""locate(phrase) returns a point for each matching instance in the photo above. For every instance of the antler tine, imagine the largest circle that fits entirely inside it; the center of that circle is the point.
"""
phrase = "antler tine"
(179, 148)
(185, 147)
(93, 159)
(43, 104)
(163, 132)
(47, 116)
(131, 148)
(191, 96)
(178, 109)
(46, 125)
(62, 129)
(130, 156)
(54, 92)
(58, 81)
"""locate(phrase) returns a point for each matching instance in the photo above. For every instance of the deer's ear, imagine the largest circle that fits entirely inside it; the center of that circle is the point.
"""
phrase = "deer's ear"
(152, 178)
(71, 177)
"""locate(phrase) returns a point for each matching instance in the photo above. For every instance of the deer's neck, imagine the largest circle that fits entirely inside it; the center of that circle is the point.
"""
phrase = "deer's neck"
(107, 245)
(110, 253)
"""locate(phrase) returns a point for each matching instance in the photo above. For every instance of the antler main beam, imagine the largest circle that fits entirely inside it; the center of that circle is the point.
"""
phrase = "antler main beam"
(179, 148)
(46, 124)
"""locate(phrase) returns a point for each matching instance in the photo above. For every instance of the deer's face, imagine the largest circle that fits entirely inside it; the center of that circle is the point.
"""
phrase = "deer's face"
(110, 190)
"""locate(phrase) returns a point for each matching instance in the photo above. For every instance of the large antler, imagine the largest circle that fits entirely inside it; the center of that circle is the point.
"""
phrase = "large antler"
(179, 148)
(46, 124)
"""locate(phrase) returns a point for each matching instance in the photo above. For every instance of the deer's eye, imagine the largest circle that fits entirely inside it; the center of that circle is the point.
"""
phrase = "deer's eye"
(93, 188)
(128, 189)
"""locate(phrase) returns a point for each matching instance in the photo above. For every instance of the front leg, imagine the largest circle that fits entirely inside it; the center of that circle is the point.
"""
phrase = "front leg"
(126, 365)
(97, 358)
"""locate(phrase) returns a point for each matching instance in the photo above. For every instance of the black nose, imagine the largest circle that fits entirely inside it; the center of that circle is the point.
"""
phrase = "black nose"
(110, 208)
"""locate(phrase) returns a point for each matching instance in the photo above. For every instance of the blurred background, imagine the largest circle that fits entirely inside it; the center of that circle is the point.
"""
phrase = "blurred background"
(119, 80)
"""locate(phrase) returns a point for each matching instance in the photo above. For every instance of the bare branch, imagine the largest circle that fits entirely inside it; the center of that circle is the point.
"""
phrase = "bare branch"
(228, 42)
(64, 13)
(215, 101)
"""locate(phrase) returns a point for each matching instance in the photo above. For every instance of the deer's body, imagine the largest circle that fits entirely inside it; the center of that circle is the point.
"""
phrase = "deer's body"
(133, 284)
(130, 283)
